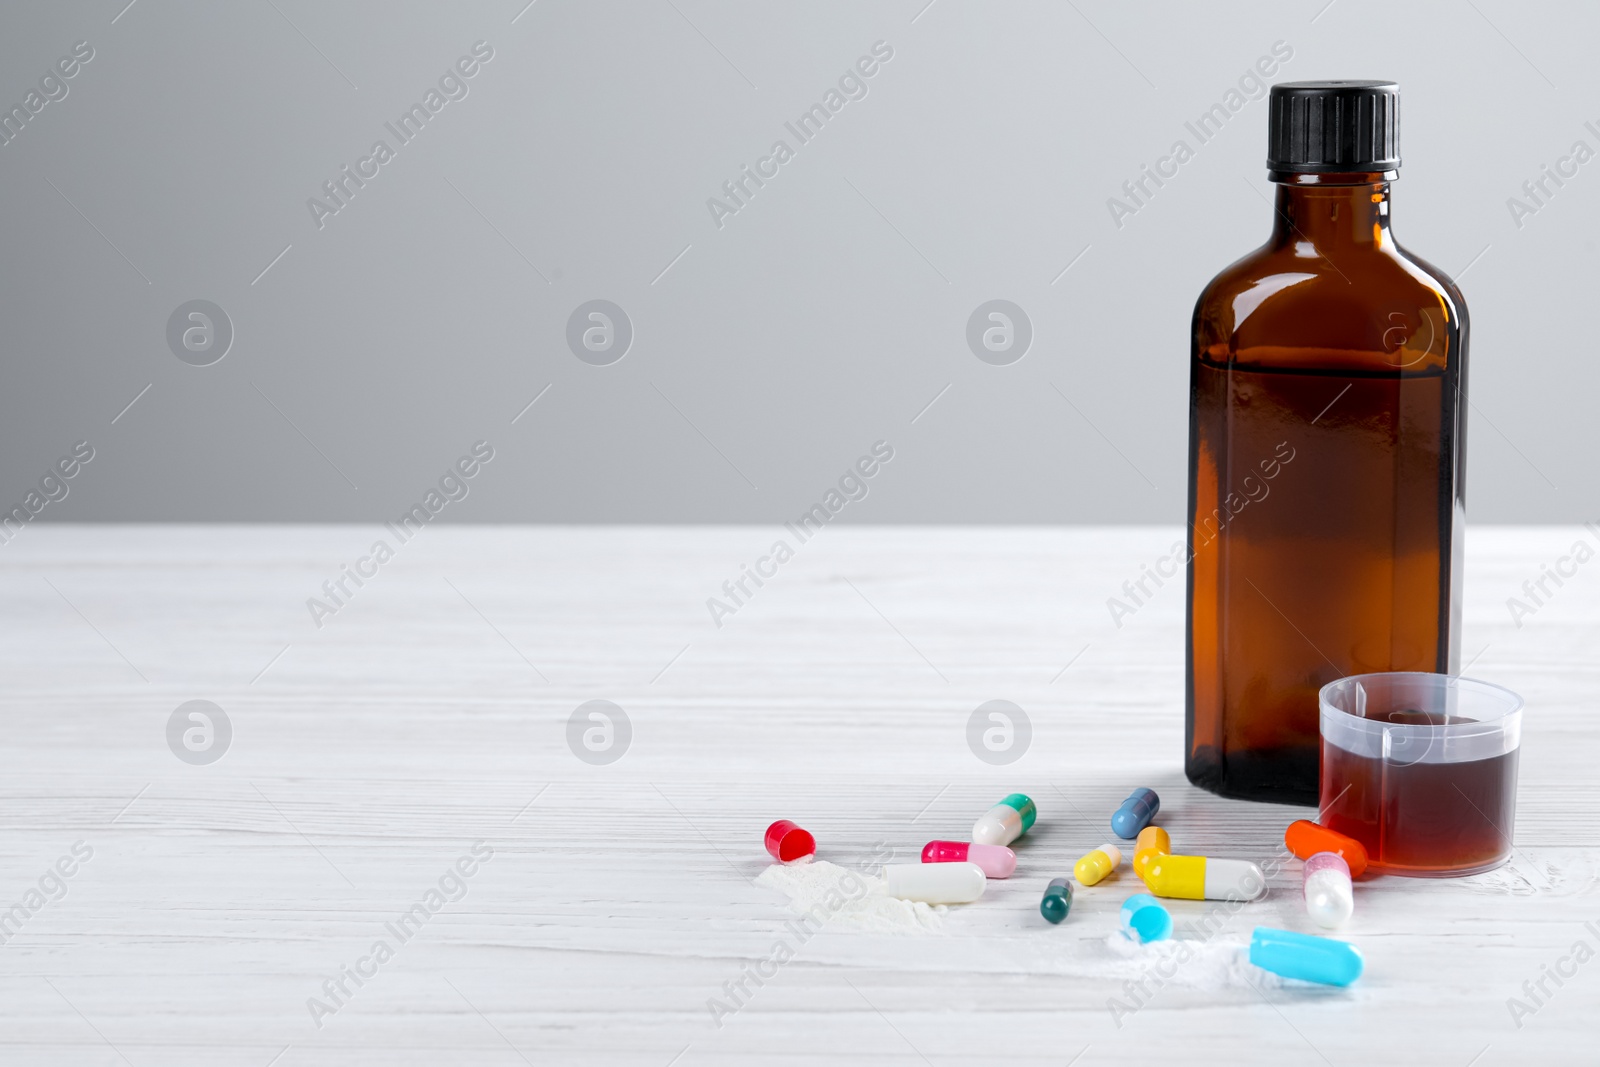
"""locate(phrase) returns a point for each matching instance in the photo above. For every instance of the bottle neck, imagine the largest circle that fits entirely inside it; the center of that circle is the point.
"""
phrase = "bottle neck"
(1327, 212)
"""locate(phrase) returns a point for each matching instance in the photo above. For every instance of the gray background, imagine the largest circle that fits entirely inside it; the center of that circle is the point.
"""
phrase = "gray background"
(772, 352)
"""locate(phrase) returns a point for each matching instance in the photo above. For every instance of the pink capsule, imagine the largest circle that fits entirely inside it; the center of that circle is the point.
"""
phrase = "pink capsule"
(995, 861)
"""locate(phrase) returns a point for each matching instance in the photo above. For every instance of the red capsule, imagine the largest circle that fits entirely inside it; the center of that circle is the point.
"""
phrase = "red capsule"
(787, 842)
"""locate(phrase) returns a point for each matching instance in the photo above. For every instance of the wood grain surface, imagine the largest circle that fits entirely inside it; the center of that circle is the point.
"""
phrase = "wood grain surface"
(429, 715)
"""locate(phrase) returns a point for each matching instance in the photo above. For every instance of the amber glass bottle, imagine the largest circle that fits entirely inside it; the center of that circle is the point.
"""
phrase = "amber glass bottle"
(1327, 435)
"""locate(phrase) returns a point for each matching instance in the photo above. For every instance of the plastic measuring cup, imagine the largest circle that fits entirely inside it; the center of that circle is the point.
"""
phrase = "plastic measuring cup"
(1422, 770)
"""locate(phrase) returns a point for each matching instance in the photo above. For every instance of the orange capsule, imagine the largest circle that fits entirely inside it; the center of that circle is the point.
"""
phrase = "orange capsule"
(1305, 839)
(1152, 842)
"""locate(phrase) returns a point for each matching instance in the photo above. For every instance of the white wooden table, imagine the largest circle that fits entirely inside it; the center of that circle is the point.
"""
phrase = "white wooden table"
(430, 712)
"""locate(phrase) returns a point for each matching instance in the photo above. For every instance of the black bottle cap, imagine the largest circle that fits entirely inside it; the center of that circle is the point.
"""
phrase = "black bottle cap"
(1334, 126)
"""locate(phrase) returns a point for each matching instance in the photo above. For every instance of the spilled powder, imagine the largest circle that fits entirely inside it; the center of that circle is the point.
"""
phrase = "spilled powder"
(1208, 965)
(846, 900)
(842, 898)
(1549, 872)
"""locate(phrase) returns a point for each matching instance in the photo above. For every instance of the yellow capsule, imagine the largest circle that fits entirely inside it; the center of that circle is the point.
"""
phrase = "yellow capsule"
(1153, 841)
(1096, 865)
(1201, 878)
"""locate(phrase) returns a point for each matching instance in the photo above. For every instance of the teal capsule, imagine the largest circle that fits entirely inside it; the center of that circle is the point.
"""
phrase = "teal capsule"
(1305, 956)
(1057, 900)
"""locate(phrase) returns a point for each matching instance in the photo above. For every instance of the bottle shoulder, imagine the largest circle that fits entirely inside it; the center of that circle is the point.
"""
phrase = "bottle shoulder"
(1441, 282)
(1363, 308)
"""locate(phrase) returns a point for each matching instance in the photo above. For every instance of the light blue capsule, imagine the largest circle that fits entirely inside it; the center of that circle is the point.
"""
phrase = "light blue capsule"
(1305, 956)
(1144, 919)
(1135, 813)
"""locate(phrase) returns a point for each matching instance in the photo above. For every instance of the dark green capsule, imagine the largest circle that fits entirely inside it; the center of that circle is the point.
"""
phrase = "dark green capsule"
(1057, 900)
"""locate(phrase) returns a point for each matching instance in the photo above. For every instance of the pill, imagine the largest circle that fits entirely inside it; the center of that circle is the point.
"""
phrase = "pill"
(1153, 841)
(1330, 899)
(1057, 900)
(1305, 956)
(1305, 839)
(787, 842)
(1005, 822)
(1203, 878)
(995, 861)
(1135, 813)
(935, 883)
(1095, 866)
(1144, 919)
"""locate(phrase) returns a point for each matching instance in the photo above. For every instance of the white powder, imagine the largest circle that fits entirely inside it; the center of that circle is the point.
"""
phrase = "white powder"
(1209, 965)
(1552, 872)
(842, 898)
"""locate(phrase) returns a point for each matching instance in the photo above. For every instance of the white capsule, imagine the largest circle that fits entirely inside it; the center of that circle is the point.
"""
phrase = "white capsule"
(1330, 898)
(936, 883)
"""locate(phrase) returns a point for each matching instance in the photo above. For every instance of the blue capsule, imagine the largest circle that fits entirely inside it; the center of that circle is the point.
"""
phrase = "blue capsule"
(1305, 956)
(1144, 919)
(1135, 813)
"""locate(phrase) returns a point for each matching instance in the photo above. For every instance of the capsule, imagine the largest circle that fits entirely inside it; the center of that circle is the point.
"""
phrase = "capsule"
(1330, 900)
(1203, 878)
(1135, 813)
(1006, 821)
(1095, 866)
(787, 842)
(995, 861)
(935, 883)
(1305, 956)
(1305, 839)
(1153, 841)
(1144, 919)
(1057, 900)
